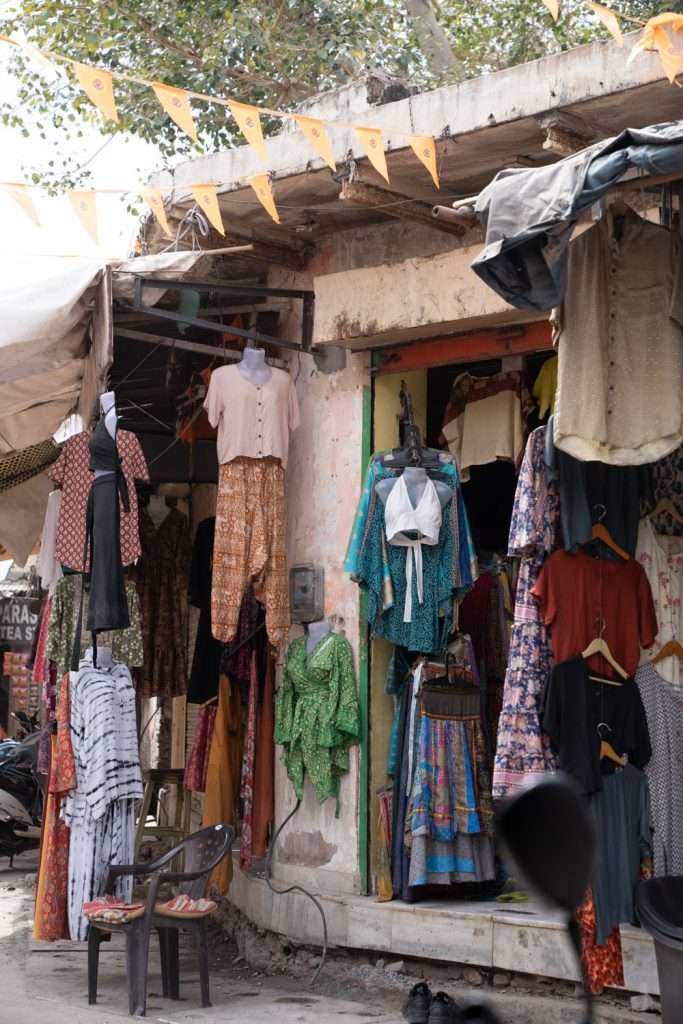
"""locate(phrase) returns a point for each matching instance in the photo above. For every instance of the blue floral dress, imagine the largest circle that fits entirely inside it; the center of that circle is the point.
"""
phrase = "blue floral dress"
(523, 750)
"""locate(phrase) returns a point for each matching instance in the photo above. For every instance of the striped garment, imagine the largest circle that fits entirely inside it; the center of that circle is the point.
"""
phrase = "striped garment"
(664, 710)
(101, 810)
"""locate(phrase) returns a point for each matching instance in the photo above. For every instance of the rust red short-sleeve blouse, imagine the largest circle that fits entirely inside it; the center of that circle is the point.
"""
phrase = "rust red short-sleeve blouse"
(579, 594)
(72, 473)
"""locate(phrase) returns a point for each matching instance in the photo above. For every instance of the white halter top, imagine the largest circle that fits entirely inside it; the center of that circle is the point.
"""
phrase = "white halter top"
(424, 519)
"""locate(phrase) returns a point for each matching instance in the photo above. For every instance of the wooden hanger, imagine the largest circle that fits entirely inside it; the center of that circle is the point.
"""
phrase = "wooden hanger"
(671, 649)
(600, 646)
(606, 748)
(608, 751)
(601, 533)
(666, 505)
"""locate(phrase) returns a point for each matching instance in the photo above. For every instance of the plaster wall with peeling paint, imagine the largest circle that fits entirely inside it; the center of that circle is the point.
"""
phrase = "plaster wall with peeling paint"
(323, 487)
(323, 483)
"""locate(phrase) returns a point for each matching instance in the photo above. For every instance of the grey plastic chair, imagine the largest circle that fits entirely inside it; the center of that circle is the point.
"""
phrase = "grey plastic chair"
(202, 851)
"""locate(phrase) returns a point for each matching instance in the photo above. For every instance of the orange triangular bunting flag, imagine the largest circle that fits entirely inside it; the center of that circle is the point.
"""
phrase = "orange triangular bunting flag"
(314, 130)
(249, 120)
(206, 196)
(98, 86)
(671, 62)
(371, 140)
(176, 103)
(264, 192)
(85, 207)
(154, 200)
(424, 148)
(20, 195)
(609, 20)
(554, 7)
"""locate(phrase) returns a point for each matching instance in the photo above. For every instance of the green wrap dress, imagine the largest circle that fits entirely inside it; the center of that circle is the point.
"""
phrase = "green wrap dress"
(317, 716)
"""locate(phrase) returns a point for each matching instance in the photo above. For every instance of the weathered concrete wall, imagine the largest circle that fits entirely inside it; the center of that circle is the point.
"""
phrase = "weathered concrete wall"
(323, 484)
(411, 299)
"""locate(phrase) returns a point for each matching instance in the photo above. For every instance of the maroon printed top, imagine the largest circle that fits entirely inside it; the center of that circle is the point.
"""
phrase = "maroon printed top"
(72, 473)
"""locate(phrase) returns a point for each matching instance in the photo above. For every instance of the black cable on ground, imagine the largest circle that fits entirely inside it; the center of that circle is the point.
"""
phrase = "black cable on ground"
(297, 888)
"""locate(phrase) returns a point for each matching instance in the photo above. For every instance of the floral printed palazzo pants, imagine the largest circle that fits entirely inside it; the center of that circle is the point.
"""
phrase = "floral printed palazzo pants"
(250, 546)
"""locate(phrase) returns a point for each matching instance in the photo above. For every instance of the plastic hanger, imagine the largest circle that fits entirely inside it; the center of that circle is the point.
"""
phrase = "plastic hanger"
(600, 646)
(671, 649)
(412, 452)
(666, 505)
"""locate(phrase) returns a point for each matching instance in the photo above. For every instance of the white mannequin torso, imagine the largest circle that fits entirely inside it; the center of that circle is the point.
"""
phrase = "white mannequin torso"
(157, 509)
(254, 368)
(415, 478)
(315, 632)
(108, 410)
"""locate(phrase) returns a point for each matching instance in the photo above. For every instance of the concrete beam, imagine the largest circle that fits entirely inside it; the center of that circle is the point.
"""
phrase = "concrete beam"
(262, 250)
(586, 74)
(392, 204)
(565, 133)
(412, 299)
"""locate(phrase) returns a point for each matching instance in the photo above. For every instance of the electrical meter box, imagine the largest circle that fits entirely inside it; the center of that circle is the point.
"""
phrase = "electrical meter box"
(307, 592)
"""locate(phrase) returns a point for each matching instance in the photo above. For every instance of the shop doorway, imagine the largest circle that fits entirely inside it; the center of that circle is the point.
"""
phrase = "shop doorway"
(429, 371)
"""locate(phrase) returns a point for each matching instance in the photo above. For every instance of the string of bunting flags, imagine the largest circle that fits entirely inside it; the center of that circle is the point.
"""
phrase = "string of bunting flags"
(655, 35)
(98, 85)
(84, 202)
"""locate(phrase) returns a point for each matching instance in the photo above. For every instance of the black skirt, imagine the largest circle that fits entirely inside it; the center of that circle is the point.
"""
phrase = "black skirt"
(108, 605)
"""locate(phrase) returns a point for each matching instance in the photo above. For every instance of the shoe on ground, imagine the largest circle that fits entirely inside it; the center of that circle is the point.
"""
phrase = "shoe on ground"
(444, 1010)
(416, 1008)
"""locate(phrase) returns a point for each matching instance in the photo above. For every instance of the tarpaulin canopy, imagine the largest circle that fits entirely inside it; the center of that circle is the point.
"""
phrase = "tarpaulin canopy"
(56, 346)
(55, 343)
(530, 213)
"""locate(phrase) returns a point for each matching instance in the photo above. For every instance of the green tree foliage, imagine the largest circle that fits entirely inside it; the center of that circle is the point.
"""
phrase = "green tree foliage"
(269, 52)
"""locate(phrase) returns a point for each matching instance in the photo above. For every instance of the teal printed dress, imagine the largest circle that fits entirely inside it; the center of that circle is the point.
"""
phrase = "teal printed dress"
(432, 620)
(465, 568)
(450, 569)
(317, 716)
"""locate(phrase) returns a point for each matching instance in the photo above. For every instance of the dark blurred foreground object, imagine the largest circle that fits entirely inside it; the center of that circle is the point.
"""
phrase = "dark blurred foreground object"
(548, 834)
(659, 904)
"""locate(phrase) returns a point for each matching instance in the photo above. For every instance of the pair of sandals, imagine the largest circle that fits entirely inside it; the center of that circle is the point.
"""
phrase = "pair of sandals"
(422, 1007)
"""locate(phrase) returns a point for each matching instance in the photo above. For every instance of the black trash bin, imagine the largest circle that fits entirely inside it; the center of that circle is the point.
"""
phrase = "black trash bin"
(660, 911)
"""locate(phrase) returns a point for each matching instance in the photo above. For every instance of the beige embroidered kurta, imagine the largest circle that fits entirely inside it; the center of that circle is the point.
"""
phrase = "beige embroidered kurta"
(253, 420)
(620, 345)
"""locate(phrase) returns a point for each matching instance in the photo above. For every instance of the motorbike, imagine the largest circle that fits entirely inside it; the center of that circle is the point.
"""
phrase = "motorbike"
(7, 747)
(21, 799)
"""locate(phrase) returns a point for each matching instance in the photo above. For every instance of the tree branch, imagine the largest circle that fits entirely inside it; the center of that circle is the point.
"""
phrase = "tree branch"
(162, 40)
(432, 39)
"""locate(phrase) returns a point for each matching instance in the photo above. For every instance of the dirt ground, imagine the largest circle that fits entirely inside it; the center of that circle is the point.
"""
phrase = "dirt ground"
(253, 978)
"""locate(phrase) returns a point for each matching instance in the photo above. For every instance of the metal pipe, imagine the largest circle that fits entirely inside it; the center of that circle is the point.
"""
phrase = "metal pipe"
(187, 346)
(465, 218)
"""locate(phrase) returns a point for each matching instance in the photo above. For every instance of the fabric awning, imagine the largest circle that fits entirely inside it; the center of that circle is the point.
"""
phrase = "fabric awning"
(55, 343)
(56, 347)
(56, 335)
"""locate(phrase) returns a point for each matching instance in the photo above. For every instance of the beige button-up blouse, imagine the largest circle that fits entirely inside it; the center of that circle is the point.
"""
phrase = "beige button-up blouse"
(252, 420)
(620, 345)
